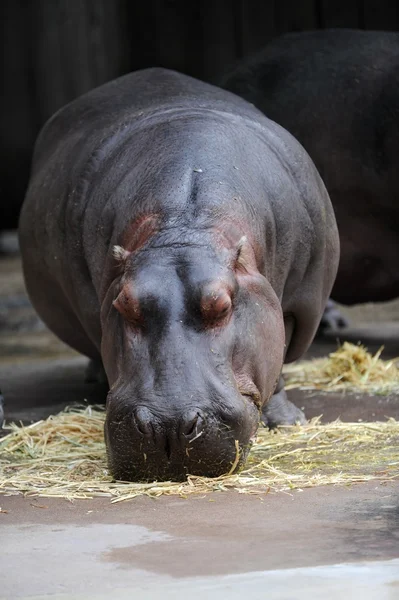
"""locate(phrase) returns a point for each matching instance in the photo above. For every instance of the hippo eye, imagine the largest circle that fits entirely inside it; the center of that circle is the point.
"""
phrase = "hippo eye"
(128, 306)
(215, 306)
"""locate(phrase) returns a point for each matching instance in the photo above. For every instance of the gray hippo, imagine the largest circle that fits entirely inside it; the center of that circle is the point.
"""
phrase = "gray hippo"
(337, 92)
(174, 234)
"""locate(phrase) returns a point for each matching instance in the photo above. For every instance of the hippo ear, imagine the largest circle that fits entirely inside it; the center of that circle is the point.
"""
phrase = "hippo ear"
(140, 231)
(245, 259)
(120, 254)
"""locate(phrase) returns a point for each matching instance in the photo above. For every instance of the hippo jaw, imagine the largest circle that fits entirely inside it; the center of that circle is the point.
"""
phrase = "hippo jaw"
(190, 362)
(143, 445)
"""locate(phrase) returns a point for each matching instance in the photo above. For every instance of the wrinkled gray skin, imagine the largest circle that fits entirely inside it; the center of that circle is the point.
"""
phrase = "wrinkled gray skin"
(173, 233)
(337, 92)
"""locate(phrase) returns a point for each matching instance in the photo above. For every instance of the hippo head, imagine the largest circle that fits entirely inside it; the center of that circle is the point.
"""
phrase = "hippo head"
(193, 343)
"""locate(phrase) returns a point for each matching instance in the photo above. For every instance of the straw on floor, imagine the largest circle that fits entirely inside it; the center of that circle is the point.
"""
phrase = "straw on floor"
(351, 368)
(64, 456)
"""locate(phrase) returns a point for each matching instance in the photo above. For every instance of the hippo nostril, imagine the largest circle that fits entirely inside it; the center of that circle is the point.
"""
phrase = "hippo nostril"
(191, 424)
(143, 419)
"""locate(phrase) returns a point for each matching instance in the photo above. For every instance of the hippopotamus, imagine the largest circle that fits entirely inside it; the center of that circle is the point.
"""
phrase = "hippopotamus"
(175, 235)
(337, 92)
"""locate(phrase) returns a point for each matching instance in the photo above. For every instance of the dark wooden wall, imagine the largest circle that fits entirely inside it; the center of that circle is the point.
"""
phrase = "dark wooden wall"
(55, 50)
(202, 38)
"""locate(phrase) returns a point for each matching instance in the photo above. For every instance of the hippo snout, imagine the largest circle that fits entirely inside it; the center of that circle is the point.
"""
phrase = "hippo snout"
(190, 425)
(143, 445)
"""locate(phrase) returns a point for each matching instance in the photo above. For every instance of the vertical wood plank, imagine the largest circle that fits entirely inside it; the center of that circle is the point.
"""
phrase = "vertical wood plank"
(18, 121)
(258, 24)
(291, 15)
(169, 22)
(52, 52)
(220, 38)
(341, 13)
(381, 15)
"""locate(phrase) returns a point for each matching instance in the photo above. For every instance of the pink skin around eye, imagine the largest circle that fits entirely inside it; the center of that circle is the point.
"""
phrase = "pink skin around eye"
(128, 305)
(215, 304)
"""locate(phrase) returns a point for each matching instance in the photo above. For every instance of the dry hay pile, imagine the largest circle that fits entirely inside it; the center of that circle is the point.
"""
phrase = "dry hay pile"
(349, 369)
(64, 456)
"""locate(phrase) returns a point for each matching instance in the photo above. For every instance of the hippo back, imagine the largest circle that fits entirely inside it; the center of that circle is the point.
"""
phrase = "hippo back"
(128, 146)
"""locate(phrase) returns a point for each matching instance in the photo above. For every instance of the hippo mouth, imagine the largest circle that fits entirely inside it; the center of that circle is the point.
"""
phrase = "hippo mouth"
(142, 446)
(253, 397)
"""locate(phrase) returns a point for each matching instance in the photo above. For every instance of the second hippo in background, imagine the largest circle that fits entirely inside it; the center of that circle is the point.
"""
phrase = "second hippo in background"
(337, 92)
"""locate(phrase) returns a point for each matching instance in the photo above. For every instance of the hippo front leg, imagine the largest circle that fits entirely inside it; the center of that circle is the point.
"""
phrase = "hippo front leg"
(280, 411)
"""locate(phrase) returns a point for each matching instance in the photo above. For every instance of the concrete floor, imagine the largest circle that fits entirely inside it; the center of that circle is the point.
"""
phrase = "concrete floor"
(326, 543)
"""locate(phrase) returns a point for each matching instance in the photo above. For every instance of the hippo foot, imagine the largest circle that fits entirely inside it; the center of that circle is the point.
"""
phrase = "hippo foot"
(280, 411)
(1, 410)
(332, 319)
(95, 372)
